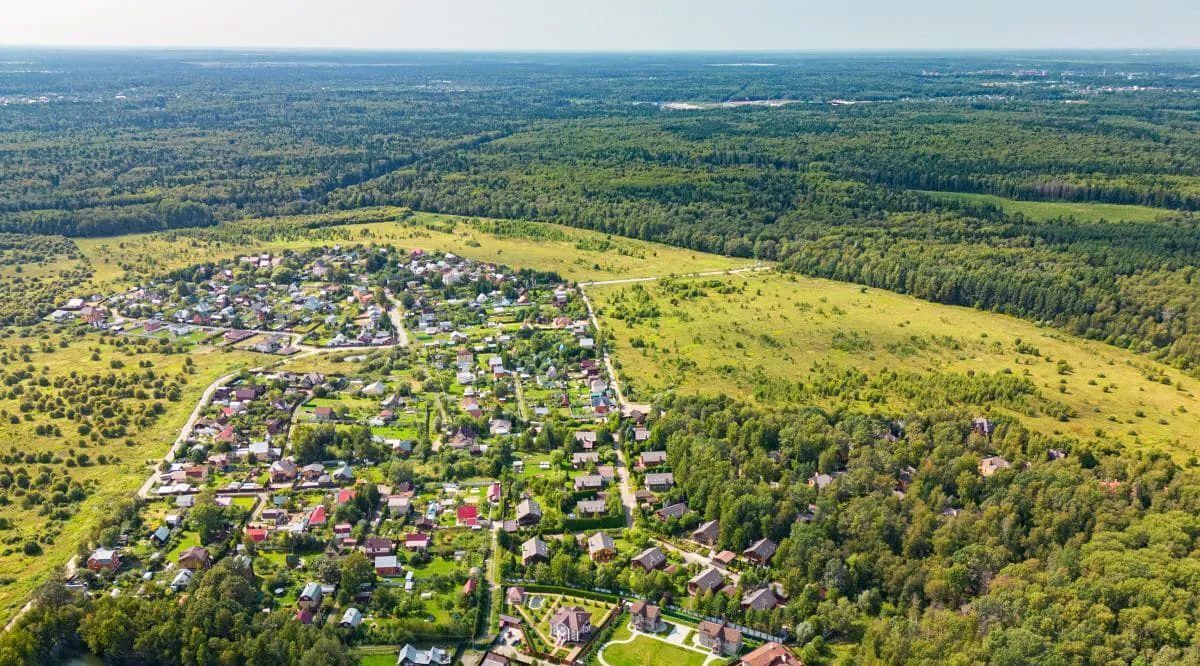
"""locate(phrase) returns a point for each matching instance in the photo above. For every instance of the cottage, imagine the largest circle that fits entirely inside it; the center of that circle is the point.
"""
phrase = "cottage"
(707, 534)
(310, 595)
(760, 552)
(528, 512)
(590, 508)
(387, 565)
(534, 550)
(351, 618)
(581, 459)
(515, 596)
(323, 414)
(646, 617)
(601, 547)
(659, 482)
(571, 624)
(194, 558)
(724, 558)
(493, 659)
(181, 580)
(720, 639)
(588, 482)
(650, 559)
(468, 515)
(283, 471)
(416, 541)
(706, 581)
(378, 546)
(586, 439)
(649, 459)
(104, 559)
(992, 464)
(760, 600)
(677, 510)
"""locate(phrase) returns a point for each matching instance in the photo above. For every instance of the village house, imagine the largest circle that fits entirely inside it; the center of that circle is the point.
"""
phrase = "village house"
(646, 617)
(528, 512)
(648, 459)
(387, 565)
(707, 534)
(104, 559)
(660, 482)
(434, 656)
(377, 546)
(590, 508)
(770, 654)
(571, 624)
(416, 541)
(992, 464)
(760, 552)
(601, 547)
(534, 550)
(649, 559)
(310, 596)
(194, 558)
(704, 582)
(761, 599)
(720, 639)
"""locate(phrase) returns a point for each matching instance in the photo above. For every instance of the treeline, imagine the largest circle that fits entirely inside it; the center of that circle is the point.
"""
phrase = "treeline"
(166, 214)
(221, 621)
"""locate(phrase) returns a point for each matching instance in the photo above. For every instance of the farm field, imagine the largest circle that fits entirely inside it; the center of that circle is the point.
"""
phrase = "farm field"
(740, 334)
(1048, 210)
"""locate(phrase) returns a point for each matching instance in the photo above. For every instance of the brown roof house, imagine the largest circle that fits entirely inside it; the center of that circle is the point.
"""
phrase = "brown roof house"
(534, 550)
(601, 547)
(707, 533)
(649, 559)
(770, 654)
(646, 617)
(194, 558)
(721, 639)
(706, 581)
(571, 624)
(760, 552)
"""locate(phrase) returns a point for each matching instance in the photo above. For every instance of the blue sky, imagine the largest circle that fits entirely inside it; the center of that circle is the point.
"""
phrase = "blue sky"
(618, 25)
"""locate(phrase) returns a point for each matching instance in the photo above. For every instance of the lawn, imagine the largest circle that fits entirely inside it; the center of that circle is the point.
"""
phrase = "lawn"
(1048, 210)
(776, 326)
(646, 651)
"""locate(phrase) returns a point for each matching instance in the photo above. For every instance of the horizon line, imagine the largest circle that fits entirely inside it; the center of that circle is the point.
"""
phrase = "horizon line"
(1129, 50)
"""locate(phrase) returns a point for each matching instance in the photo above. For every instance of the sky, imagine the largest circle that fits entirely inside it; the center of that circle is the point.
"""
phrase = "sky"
(607, 25)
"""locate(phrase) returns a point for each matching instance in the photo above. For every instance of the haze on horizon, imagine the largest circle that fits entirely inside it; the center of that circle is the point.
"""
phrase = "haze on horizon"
(607, 25)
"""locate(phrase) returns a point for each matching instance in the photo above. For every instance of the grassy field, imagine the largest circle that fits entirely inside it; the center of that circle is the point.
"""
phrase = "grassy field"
(128, 460)
(1048, 210)
(768, 327)
(575, 254)
(646, 651)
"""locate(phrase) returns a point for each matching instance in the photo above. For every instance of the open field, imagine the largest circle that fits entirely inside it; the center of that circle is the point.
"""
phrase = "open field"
(772, 328)
(575, 254)
(126, 460)
(1048, 210)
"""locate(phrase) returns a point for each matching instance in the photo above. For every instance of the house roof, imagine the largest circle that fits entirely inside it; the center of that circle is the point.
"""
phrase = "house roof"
(573, 617)
(771, 654)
